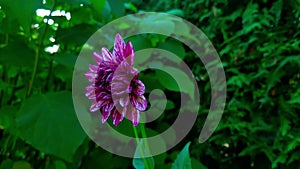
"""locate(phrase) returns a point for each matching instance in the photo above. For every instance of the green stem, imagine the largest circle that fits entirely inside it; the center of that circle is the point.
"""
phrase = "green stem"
(38, 53)
(36, 61)
(144, 135)
(140, 147)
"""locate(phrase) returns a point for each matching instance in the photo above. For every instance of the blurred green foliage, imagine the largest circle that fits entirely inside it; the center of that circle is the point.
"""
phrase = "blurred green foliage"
(258, 42)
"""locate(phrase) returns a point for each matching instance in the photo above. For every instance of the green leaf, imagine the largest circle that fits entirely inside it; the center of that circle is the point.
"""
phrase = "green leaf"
(197, 164)
(117, 7)
(82, 16)
(73, 2)
(251, 149)
(2, 15)
(141, 56)
(177, 12)
(285, 126)
(234, 15)
(66, 59)
(276, 10)
(20, 10)
(131, 7)
(140, 42)
(64, 73)
(176, 80)
(7, 116)
(24, 56)
(183, 160)
(282, 158)
(293, 144)
(250, 14)
(48, 122)
(249, 18)
(158, 23)
(59, 164)
(98, 5)
(76, 35)
(294, 100)
(170, 105)
(6, 164)
(167, 81)
(238, 81)
(173, 46)
(21, 165)
(151, 82)
(138, 163)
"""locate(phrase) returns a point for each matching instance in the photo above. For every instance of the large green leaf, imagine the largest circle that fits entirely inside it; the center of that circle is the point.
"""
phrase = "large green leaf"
(173, 46)
(167, 81)
(5, 164)
(176, 80)
(48, 122)
(57, 164)
(183, 160)
(76, 35)
(98, 5)
(20, 10)
(66, 59)
(7, 115)
(21, 165)
(23, 56)
(117, 7)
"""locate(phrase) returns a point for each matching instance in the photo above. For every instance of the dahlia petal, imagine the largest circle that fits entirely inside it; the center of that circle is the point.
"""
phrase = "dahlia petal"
(139, 89)
(90, 94)
(139, 102)
(124, 101)
(93, 68)
(107, 66)
(109, 106)
(119, 47)
(90, 76)
(106, 55)
(134, 72)
(105, 114)
(129, 53)
(104, 103)
(100, 93)
(95, 106)
(117, 117)
(121, 80)
(127, 69)
(109, 77)
(134, 116)
(118, 93)
(120, 87)
(97, 57)
(107, 97)
(90, 87)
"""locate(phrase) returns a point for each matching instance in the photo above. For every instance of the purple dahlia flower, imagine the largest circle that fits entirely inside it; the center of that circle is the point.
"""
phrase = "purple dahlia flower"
(115, 89)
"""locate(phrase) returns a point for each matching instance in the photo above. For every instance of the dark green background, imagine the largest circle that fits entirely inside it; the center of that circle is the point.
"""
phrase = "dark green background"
(258, 42)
